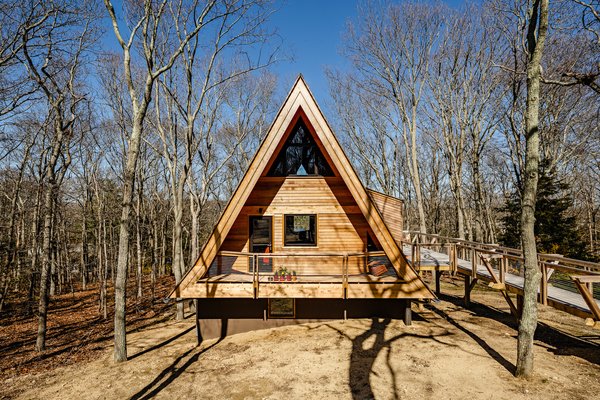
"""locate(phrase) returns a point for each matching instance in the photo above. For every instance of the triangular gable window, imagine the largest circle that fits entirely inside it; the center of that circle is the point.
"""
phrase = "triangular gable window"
(300, 156)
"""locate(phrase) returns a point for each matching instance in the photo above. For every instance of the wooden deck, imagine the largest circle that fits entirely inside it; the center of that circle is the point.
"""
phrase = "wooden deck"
(561, 299)
(243, 285)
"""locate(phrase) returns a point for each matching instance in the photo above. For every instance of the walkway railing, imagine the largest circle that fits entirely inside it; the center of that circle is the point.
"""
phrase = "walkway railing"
(576, 276)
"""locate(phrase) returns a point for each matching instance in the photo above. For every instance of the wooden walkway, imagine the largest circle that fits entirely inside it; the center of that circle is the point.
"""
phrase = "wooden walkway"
(562, 299)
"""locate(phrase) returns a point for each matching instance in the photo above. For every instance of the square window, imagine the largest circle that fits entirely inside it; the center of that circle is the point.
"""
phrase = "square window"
(300, 230)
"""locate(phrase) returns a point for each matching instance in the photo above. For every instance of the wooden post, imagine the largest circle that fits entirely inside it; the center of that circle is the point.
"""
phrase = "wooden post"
(407, 313)
(345, 279)
(473, 263)
(255, 275)
(544, 284)
(454, 258)
(467, 298)
(590, 285)
(438, 275)
(198, 330)
(519, 304)
(588, 297)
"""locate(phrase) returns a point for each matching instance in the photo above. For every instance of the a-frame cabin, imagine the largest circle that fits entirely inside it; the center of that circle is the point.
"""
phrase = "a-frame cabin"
(301, 238)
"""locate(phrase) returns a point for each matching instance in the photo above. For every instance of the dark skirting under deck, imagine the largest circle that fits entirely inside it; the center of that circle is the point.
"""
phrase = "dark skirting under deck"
(219, 317)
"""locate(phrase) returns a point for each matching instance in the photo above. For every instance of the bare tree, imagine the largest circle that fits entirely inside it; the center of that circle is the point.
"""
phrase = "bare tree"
(16, 18)
(582, 18)
(464, 98)
(367, 134)
(56, 70)
(153, 26)
(248, 105)
(193, 92)
(12, 245)
(391, 50)
(537, 28)
(146, 23)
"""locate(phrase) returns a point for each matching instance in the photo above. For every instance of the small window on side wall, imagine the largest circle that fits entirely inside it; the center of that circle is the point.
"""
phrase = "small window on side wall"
(300, 230)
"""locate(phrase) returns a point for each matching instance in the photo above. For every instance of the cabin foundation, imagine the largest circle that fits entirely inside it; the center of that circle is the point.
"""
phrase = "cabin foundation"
(218, 317)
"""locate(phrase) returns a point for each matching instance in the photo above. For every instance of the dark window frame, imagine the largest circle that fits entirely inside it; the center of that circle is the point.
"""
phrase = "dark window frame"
(313, 222)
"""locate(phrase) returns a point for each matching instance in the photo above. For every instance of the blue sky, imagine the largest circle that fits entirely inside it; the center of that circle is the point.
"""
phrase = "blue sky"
(312, 31)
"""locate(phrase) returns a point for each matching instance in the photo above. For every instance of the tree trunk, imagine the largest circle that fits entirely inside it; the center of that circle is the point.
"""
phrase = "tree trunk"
(40, 344)
(120, 351)
(34, 247)
(84, 245)
(535, 42)
(478, 192)
(456, 189)
(49, 200)
(415, 174)
(163, 248)
(104, 271)
(13, 235)
(138, 242)
(195, 215)
(155, 250)
(100, 269)
(178, 245)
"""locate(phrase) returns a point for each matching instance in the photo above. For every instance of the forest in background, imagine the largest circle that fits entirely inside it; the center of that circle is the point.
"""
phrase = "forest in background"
(430, 110)
(433, 112)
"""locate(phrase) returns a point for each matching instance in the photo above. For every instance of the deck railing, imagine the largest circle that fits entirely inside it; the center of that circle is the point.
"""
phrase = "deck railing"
(306, 264)
(577, 276)
(307, 268)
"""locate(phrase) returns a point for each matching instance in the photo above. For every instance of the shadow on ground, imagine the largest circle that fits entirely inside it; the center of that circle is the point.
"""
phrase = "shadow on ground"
(371, 343)
(557, 342)
(482, 343)
(362, 358)
(179, 366)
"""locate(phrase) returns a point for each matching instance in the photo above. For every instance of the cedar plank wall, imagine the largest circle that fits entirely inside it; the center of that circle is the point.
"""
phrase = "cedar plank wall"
(341, 228)
(390, 209)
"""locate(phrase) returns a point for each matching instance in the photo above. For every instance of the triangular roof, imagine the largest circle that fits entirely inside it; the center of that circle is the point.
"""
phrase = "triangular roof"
(300, 101)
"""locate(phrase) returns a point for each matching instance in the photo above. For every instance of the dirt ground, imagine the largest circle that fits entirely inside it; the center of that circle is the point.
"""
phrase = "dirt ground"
(76, 331)
(448, 353)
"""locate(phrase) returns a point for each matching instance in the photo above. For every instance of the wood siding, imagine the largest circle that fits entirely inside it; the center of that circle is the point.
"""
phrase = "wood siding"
(341, 228)
(390, 209)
